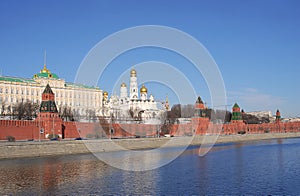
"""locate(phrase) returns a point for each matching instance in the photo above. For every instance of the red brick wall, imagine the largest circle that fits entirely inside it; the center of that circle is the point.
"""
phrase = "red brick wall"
(20, 129)
(27, 130)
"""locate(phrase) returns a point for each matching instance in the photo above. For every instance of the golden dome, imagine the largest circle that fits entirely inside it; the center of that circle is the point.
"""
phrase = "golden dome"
(123, 85)
(143, 89)
(45, 70)
(132, 72)
(105, 93)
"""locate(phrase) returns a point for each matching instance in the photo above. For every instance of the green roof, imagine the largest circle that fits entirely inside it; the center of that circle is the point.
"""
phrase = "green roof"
(15, 79)
(68, 84)
(46, 75)
(236, 106)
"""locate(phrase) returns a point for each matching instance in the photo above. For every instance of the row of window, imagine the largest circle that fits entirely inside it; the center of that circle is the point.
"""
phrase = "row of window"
(22, 91)
(15, 100)
(37, 93)
(90, 104)
(70, 95)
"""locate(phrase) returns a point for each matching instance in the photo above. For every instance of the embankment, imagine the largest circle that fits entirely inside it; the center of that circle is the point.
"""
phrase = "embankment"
(51, 148)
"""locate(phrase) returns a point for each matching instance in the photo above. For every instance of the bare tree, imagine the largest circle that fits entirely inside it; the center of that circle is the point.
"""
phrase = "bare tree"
(66, 113)
(3, 108)
(90, 115)
(9, 111)
(24, 110)
(187, 111)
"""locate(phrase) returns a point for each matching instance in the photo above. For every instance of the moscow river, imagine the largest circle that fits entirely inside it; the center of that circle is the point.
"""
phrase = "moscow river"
(269, 167)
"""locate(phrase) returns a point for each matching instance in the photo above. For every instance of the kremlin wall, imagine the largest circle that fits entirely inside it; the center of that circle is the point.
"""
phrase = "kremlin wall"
(49, 122)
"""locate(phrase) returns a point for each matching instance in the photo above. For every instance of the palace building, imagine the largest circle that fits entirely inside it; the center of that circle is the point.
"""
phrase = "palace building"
(78, 97)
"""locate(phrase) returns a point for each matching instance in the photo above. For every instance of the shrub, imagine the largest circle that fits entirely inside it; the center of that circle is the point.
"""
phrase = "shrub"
(242, 132)
(11, 138)
(53, 136)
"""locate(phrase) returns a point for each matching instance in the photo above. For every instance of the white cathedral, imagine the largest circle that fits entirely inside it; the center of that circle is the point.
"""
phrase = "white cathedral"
(133, 107)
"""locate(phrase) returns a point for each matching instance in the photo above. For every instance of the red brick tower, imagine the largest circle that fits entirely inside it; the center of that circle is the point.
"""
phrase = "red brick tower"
(49, 114)
(199, 108)
(200, 121)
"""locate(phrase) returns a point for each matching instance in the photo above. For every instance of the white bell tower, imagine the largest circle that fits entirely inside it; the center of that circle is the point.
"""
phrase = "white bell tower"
(133, 85)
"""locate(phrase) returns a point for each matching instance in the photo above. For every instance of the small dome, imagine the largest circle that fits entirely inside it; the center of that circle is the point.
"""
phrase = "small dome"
(45, 70)
(123, 85)
(105, 93)
(45, 73)
(133, 73)
(143, 89)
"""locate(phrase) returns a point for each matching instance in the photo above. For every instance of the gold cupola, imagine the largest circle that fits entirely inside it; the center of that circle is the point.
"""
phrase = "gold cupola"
(123, 85)
(143, 89)
(105, 94)
(133, 73)
(45, 70)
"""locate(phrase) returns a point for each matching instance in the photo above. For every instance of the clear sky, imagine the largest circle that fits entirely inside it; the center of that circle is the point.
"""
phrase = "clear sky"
(256, 43)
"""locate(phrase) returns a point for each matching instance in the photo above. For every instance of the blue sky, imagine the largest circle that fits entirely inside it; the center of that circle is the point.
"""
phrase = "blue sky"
(255, 43)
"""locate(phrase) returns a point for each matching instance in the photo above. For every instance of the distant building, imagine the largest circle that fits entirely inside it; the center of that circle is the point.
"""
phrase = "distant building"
(136, 104)
(291, 119)
(261, 114)
(78, 97)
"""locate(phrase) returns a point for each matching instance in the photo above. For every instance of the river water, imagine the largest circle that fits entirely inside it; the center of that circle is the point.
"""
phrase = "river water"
(270, 167)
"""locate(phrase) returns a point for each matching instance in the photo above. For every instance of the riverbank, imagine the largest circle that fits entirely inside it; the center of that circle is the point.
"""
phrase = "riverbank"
(51, 148)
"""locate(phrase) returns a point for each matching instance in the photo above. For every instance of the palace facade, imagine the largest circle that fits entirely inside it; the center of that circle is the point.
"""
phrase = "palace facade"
(78, 97)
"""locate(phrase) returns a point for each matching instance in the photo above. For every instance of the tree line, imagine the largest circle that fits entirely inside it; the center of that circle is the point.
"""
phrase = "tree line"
(24, 110)
(27, 110)
(188, 111)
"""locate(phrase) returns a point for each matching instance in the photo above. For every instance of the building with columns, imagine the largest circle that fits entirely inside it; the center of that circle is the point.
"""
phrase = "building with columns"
(78, 97)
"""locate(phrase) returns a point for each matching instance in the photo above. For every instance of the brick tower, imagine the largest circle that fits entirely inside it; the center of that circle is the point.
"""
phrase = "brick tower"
(200, 121)
(236, 114)
(49, 114)
(199, 108)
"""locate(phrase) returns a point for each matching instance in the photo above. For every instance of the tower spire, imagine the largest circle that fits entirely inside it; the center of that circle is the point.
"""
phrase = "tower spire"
(45, 59)
(45, 70)
(167, 105)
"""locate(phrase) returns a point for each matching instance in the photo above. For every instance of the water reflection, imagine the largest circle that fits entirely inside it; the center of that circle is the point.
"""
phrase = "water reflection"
(48, 174)
(268, 167)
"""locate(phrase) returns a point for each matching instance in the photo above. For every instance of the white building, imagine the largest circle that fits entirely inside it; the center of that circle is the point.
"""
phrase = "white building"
(261, 114)
(78, 97)
(133, 105)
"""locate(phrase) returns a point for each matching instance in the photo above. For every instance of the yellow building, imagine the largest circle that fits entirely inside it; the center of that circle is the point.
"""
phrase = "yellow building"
(78, 97)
